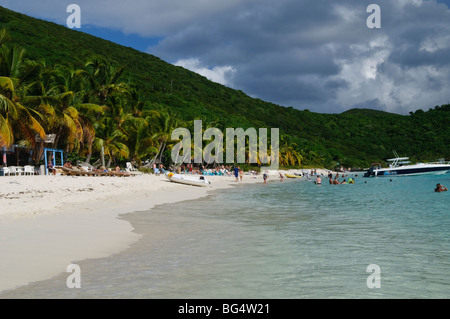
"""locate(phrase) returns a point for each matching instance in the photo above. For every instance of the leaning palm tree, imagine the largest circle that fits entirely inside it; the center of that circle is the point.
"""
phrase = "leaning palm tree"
(16, 120)
(162, 124)
(289, 155)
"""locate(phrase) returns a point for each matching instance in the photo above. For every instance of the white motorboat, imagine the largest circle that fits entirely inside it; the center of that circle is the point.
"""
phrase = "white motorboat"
(188, 180)
(402, 166)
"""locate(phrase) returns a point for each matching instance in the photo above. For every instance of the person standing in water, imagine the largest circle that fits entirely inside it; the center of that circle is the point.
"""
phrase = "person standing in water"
(265, 176)
(236, 173)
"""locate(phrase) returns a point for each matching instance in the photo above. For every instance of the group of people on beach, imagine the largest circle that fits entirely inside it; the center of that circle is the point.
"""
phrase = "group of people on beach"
(219, 170)
(238, 173)
(158, 169)
(51, 168)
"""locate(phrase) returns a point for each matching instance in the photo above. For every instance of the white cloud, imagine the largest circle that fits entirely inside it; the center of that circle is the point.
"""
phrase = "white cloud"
(397, 89)
(218, 74)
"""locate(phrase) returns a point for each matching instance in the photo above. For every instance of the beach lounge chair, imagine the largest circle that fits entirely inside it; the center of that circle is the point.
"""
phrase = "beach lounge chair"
(6, 171)
(119, 173)
(105, 172)
(83, 172)
(69, 171)
(86, 167)
(12, 170)
(131, 169)
(122, 173)
(74, 171)
(108, 172)
(28, 170)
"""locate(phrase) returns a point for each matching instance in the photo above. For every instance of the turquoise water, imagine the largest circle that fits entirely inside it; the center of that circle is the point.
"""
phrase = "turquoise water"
(290, 239)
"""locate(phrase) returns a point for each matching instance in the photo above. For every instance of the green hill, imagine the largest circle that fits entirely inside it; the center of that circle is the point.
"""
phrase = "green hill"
(354, 138)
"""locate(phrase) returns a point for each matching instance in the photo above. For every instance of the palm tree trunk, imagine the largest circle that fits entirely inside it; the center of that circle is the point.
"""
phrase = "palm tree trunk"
(161, 152)
(38, 151)
(103, 156)
(55, 142)
(88, 158)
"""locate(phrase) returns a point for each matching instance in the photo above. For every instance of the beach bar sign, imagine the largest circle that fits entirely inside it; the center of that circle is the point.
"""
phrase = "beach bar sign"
(257, 147)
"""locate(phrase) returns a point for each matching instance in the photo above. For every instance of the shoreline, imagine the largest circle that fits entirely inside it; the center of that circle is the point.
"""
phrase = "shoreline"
(48, 222)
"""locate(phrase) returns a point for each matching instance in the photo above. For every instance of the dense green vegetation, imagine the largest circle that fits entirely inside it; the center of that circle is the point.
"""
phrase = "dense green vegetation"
(94, 93)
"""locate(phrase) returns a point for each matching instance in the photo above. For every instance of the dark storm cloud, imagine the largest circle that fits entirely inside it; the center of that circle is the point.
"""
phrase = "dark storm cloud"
(292, 52)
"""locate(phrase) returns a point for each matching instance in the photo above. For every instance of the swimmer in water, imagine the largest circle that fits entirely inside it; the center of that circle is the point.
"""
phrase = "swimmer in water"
(440, 188)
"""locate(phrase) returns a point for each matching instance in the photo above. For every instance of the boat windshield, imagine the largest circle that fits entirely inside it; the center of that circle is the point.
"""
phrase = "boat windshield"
(398, 161)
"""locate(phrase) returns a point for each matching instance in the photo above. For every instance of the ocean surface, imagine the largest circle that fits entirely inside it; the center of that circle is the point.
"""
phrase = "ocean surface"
(379, 238)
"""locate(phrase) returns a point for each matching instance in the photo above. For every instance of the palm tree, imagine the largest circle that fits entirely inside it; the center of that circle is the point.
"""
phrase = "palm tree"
(102, 78)
(14, 65)
(65, 116)
(141, 142)
(162, 124)
(69, 78)
(111, 140)
(17, 120)
(4, 36)
(289, 155)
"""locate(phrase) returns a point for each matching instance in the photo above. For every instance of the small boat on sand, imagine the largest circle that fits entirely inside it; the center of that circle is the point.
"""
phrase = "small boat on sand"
(292, 176)
(188, 180)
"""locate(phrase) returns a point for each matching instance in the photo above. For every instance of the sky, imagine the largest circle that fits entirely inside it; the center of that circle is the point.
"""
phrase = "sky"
(309, 54)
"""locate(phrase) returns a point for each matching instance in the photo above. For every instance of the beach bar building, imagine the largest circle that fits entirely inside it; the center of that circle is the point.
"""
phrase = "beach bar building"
(17, 160)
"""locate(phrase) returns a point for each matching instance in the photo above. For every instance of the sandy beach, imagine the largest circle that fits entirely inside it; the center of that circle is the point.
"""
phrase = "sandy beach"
(48, 222)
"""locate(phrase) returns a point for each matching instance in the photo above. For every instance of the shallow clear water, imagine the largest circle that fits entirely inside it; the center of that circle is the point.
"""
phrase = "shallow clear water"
(290, 239)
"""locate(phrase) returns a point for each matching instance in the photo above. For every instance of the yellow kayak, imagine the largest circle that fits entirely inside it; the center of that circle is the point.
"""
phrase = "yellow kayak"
(292, 176)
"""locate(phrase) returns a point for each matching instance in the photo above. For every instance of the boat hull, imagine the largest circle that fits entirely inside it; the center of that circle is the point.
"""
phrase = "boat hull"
(414, 170)
(187, 180)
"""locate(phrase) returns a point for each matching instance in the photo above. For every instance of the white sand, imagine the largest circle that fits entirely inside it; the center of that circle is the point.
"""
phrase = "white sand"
(49, 222)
